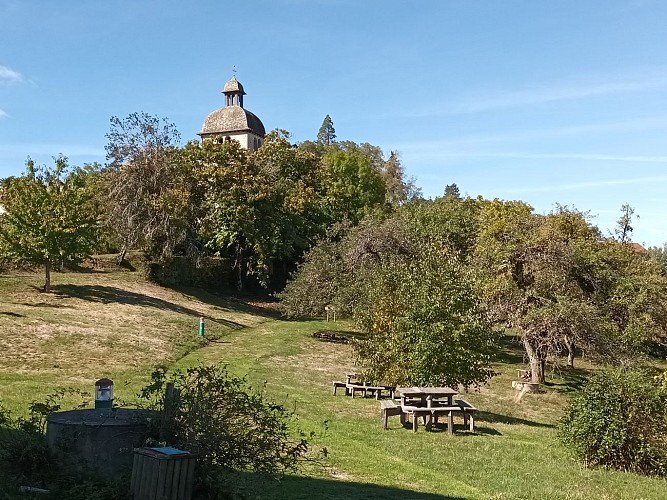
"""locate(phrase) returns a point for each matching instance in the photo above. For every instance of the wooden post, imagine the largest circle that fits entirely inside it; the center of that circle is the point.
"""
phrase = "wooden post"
(171, 397)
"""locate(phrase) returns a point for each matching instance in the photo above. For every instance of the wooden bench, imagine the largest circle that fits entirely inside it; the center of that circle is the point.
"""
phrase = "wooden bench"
(389, 409)
(379, 389)
(337, 385)
(353, 388)
(376, 390)
(468, 413)
(430, 415)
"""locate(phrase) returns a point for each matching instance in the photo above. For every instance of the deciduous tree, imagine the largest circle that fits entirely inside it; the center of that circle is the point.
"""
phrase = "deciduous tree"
(49, 217)
(147, 191)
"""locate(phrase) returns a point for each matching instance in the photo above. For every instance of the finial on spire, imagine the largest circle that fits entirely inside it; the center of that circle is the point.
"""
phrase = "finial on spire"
(234, 69)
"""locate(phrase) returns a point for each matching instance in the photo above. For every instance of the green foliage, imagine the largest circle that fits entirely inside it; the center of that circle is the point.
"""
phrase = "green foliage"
(623, 229)
(352, 187)
(451, 220)
(412, 294)
(24, 455)
(327, 133)
(619, 421)
(425, 323)
(561, 285)
(49, 216)
(661, 380)
(318, 283)
(226, 423)
(257, 206)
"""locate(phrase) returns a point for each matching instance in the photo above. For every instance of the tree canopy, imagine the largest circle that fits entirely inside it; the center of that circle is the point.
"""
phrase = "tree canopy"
(553, 279)
(327, 133)
(146, 189)
(49, 217)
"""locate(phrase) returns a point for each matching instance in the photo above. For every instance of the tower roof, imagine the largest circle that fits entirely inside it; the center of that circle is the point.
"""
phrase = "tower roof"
(233, 87)
(231, 119)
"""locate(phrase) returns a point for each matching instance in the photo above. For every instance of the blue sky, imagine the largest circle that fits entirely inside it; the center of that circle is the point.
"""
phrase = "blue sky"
(544, 101)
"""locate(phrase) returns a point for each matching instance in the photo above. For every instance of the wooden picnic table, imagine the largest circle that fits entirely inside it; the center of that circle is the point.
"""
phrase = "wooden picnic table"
(433, 400)
(427, 394)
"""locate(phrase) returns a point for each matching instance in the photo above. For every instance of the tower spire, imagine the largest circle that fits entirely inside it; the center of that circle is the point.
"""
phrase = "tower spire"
(233, 92)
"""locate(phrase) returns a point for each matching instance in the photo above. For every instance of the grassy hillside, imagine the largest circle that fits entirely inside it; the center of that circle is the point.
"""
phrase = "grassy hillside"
(100, 324)
(116, 325)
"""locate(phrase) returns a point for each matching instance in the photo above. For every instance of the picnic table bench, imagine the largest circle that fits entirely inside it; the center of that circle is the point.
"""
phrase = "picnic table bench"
(430, 403)
(372, 389)
(352, 387)
(431, 414)
(388, 409)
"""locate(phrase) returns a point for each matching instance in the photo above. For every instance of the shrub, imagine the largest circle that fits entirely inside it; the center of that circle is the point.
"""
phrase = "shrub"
(619, 421)
(225, 423)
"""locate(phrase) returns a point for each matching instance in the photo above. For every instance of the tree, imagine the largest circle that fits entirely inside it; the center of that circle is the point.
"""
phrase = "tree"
(350, 185)
(623, 230)
(258, 207)
(412, 296)
(560, 285)
(327, 133)
(424, 321)
(49, 217)
(538, 279)
(452, 190)
(147, 191)
(454, 222)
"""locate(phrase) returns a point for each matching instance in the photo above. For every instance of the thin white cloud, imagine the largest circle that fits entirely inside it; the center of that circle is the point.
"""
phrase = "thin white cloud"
(565, 156)
(8, 75)
(523, 135)
(544, 93)
(3, 114)
(444, 155)
(588, 184)
(530, 97)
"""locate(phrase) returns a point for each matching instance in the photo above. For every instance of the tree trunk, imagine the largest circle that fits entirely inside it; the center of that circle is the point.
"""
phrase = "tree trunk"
(569, 343)
(47, 280)
(536, 363)
(121, 255)
(239, 267)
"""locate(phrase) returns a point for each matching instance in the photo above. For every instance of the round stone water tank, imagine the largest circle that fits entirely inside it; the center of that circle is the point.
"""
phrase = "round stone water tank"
(99, 439)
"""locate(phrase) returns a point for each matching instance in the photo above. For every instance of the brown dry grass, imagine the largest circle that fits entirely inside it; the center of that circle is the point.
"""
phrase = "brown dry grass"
(100, 324)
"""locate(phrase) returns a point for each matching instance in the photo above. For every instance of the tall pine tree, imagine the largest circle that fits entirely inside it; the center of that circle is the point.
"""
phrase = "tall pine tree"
(327, 133)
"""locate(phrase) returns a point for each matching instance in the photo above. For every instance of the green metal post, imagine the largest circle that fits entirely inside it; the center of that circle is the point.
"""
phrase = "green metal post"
(201, 327)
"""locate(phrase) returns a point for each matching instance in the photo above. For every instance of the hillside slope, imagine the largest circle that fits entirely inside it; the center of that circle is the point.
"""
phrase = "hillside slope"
(100, 324)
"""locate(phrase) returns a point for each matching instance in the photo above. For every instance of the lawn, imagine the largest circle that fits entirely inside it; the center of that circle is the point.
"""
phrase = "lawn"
(117, 325)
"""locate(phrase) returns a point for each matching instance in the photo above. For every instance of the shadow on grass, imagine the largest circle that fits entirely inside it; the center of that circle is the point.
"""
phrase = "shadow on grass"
(298, 487)
(460, 430)
(511, 351)
(573, 380)
(45, 304)
(110, 294)
(496, 418)
(239, 303)
(12, 314)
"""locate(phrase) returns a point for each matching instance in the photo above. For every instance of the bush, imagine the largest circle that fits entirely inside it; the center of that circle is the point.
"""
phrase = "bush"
(225, 423)
(619, 421)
